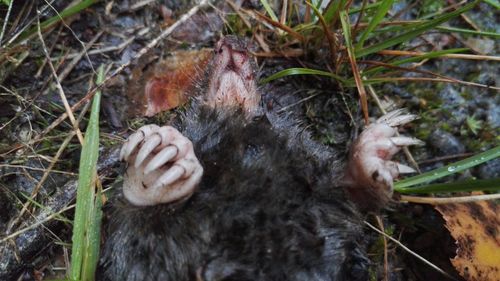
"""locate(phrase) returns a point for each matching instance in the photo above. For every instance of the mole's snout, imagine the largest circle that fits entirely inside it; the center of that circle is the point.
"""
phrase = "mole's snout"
(232, 79)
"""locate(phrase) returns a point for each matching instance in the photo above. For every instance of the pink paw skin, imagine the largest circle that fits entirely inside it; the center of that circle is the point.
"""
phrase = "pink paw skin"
(370, 173)
(161, 166)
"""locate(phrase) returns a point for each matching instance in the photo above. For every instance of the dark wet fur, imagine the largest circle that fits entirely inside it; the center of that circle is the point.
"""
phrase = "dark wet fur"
(268, 208)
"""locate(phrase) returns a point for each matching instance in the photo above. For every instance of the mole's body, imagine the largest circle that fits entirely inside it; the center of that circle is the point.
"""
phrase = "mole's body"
(227, 195)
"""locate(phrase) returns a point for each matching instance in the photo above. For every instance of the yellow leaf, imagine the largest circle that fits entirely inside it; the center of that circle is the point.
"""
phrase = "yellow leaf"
(476, 229)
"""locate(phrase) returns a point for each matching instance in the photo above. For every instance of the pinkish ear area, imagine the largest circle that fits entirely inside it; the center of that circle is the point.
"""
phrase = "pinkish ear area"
(232, 81)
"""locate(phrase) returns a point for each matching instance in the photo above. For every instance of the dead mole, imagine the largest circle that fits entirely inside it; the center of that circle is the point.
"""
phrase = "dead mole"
(225, 193)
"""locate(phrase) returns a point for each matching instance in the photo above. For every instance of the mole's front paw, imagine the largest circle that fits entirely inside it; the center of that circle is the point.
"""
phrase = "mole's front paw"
(161, 168)
(370, 172)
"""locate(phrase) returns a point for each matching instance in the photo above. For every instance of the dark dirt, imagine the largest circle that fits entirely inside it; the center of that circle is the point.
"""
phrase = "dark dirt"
(29, 102)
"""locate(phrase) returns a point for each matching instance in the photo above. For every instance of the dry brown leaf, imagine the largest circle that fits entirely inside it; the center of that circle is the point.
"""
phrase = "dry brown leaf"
(476, 229)
(166, 85)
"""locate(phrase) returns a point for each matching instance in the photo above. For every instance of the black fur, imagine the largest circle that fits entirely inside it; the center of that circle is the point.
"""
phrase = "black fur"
(269, 207)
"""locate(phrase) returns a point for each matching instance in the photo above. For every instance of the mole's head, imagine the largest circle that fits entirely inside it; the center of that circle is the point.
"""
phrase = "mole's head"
(231, 80)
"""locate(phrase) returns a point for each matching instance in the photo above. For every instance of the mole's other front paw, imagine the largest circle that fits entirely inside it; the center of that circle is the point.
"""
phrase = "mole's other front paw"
(370, 172)
(162, 166)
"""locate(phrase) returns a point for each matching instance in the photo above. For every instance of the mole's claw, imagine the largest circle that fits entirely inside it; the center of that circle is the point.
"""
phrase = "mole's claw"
(160, 159)
(403, 169)
(149, 145)
(136, 138)
(405, 141)
(396, 118)
(370, 171)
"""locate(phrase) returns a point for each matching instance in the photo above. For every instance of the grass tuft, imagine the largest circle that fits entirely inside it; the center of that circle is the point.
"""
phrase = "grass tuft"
(88, 213)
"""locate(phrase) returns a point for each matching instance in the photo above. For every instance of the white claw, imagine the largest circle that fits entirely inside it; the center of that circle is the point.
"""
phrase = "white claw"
(135, 139)
(149, 145)
(404, 141)
(173, 174)
(396, 118)
(389, 115)
(403, 169)
(400, 120)
(160, 159)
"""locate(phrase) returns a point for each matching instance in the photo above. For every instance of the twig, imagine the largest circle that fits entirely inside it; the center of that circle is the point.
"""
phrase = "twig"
(6, 20)
(103, 50)
(36, 224)
(59, 86)
(448, 200)
(47, 172)
(140, 4)
(451, 56)
(386, 255)
(409, 251)
(36, 169)
(446, 158)
(72, 32)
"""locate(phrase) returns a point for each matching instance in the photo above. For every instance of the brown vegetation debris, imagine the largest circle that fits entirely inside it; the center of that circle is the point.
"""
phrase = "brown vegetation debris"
(165, 85)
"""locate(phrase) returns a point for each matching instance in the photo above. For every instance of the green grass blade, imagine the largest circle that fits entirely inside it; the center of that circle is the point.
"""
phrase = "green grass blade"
(269, 10)
(331, 14)
(85, 208)
(449, 169)
(429, 55)
(493, 3)
(376, 19)
(301, 71)
(367, 7)
(415, 31)
(461, 186)
(93, 239)
(468, 31)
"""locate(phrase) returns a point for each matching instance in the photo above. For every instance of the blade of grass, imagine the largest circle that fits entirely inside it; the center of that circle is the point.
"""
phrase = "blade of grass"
(367, 7)
(301, 71)
(346, 28)
(461, 186)
(449, 169)
(493, 3)
(382, 10)
(415, 31)
(269, 10)
(331, 14)
(393, 27)
(468, 31)
(85, 212)
(429, 55)
(93, 238)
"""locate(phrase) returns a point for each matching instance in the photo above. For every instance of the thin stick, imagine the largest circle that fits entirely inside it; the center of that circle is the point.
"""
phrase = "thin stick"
(59, 86)
(448, 200)
(36, 169)
(34, 225)
(6, 20)
(451, 56)
(386, 255)
(409, 251)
